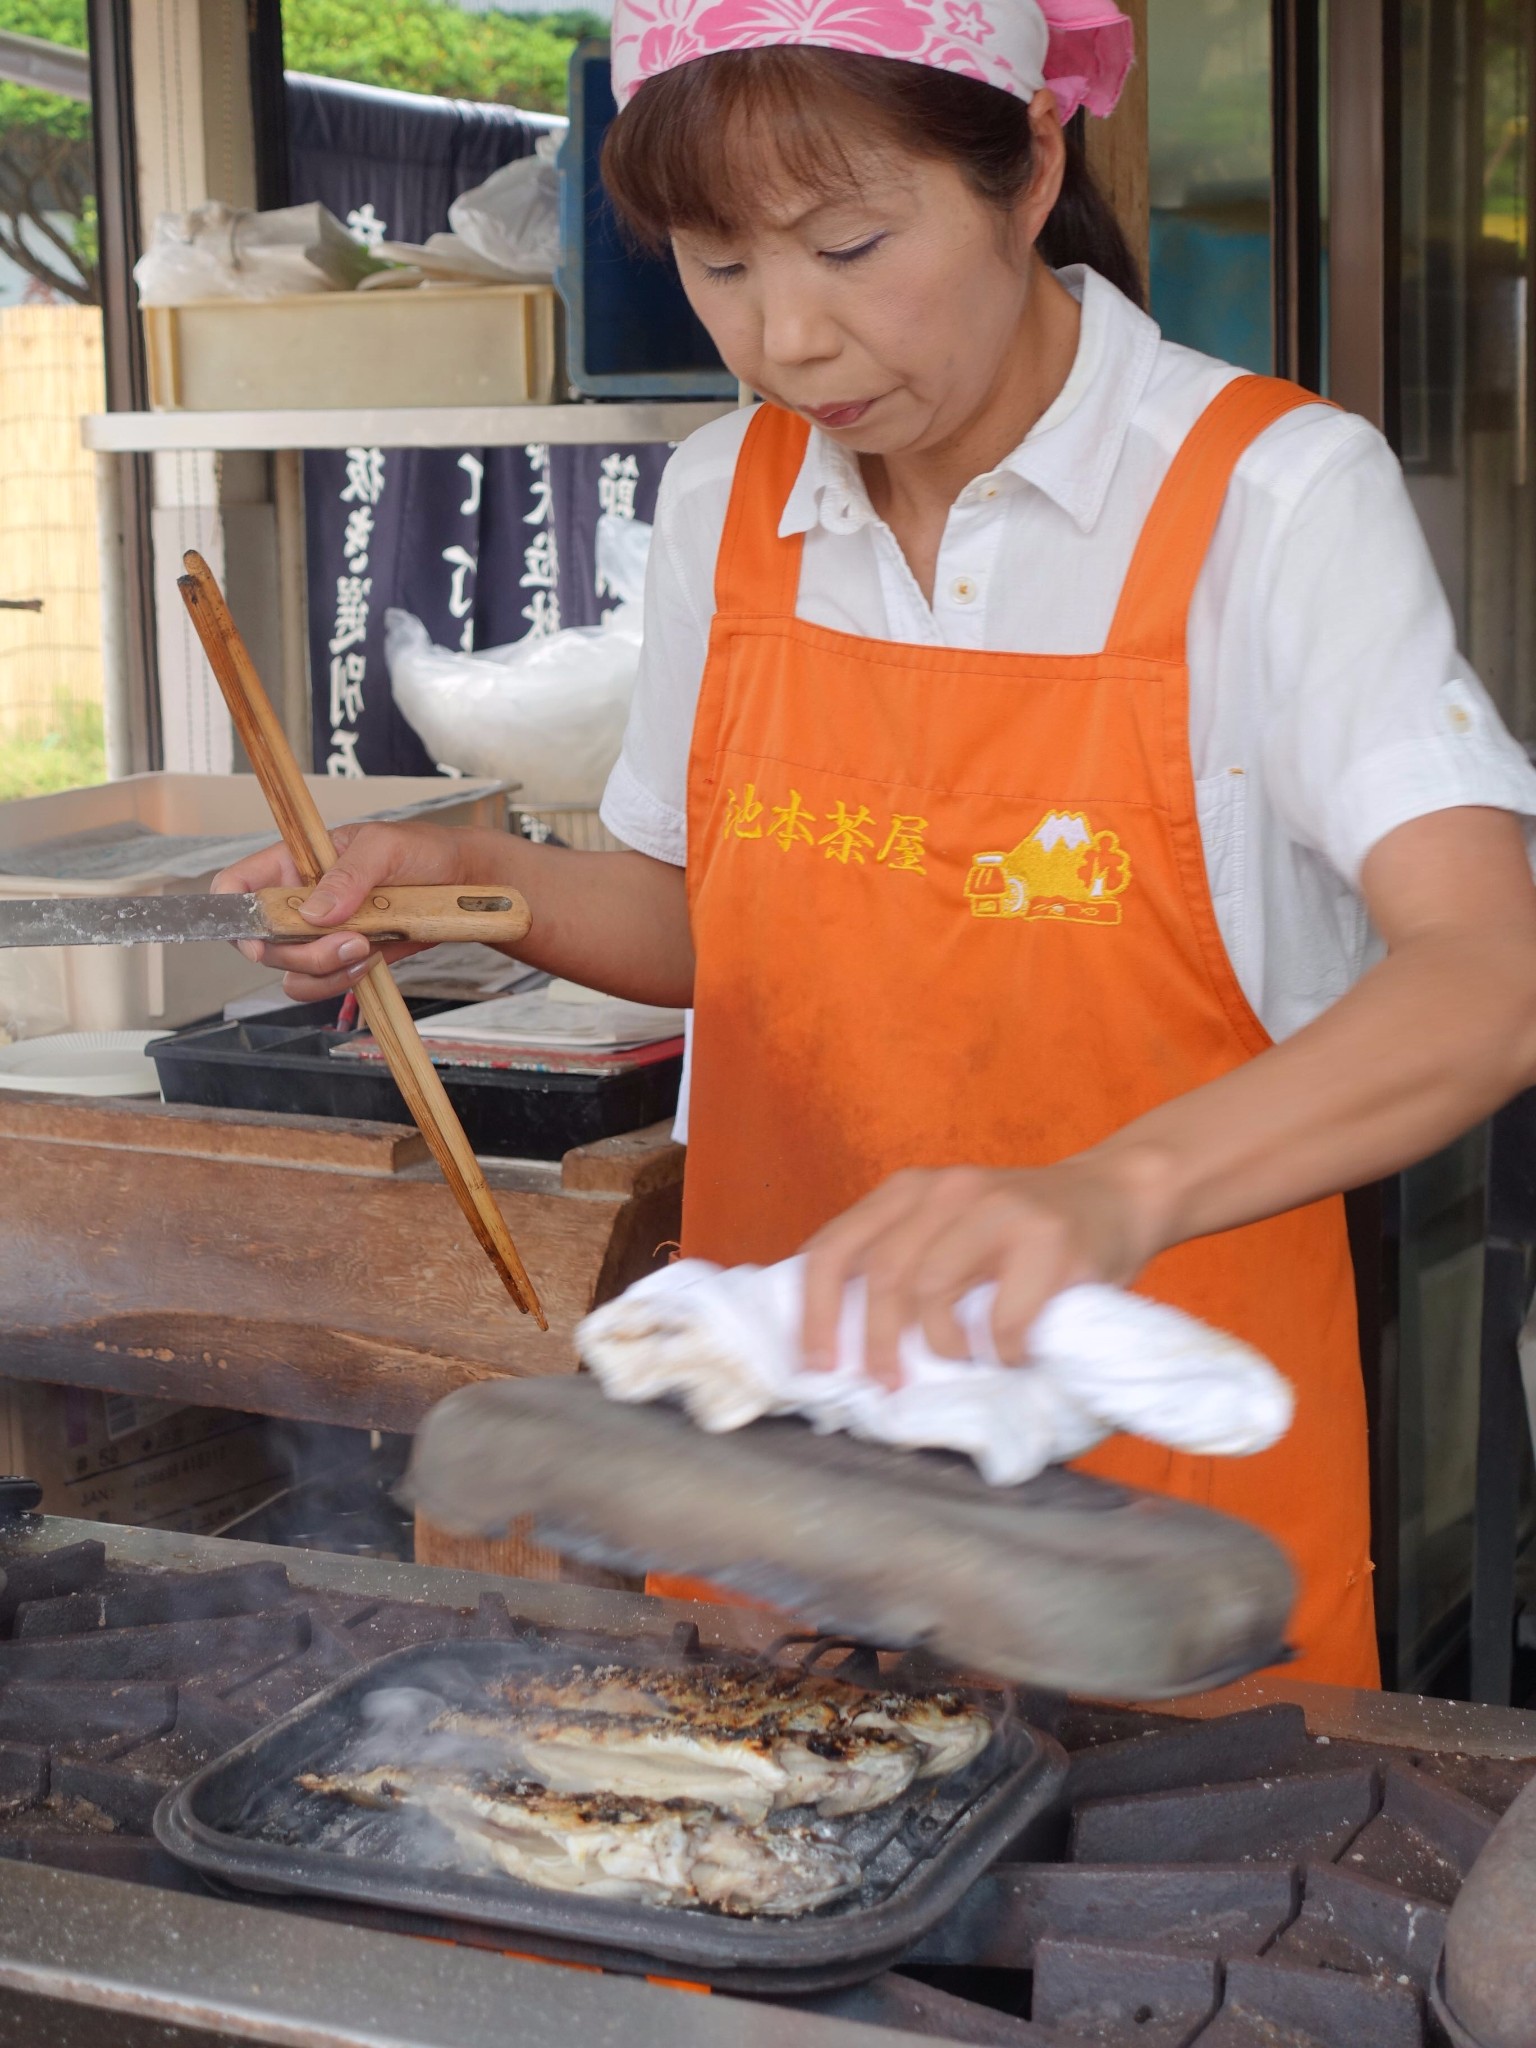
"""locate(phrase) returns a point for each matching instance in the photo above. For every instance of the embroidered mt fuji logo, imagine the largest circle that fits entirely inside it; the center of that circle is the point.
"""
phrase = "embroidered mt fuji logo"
(1064, 869)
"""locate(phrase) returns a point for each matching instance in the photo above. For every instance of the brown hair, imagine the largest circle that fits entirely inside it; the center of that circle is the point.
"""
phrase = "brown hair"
(682, 153)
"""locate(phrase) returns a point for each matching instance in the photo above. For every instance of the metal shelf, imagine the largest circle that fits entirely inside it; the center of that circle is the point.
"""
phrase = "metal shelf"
(422, 426)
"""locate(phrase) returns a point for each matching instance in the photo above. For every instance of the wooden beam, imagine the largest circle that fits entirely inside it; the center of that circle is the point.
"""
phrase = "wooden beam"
(175, 1129)
(291, 1265)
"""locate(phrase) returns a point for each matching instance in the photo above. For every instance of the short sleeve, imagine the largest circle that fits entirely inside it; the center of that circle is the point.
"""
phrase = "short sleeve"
(1375, 718)
(646, 801)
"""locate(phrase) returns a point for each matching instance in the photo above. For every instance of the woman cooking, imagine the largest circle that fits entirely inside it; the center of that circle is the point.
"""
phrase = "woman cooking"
(1036, 721)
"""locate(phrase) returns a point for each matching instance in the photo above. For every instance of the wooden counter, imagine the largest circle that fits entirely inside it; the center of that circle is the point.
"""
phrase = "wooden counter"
(296, 1266)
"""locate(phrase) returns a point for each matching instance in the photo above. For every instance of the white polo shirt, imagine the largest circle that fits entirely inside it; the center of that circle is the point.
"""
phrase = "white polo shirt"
(1328, 703)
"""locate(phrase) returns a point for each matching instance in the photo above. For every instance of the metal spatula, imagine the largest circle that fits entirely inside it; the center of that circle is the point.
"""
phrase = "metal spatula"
(498, 917)
(1064, 1583)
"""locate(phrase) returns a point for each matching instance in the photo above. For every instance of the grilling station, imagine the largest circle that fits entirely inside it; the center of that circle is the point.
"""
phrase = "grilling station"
(1333, 1869)
(1277, 1871)
(1155, 1840)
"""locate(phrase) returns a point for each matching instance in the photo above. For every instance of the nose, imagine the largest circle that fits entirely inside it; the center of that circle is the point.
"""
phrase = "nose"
(796, 327)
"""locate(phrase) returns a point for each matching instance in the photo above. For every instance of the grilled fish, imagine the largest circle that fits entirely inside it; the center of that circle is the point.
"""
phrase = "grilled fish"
(751, 1769)
(643, 1851)
(755, 1701)
(948, 1731)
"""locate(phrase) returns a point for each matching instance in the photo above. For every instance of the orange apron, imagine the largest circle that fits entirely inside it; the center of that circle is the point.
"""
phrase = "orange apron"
(952, 907)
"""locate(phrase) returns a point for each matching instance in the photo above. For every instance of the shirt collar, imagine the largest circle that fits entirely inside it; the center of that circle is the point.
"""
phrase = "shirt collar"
(1070, 453)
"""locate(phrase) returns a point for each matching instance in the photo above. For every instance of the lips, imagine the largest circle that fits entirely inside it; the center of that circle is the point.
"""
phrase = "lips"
(835, 416)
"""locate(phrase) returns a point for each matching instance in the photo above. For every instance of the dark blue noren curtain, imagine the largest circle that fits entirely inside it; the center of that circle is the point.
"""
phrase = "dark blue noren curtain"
(482, 544)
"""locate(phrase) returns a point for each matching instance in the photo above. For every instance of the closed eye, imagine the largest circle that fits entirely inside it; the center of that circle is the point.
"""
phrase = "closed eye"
(722, 273)
(845, 256)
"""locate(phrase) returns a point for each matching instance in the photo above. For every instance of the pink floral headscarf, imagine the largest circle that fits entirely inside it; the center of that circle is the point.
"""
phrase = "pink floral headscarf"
(1081, 49)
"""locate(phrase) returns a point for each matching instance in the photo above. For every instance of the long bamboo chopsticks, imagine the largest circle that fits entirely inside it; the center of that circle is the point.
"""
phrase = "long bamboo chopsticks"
(383, 1006)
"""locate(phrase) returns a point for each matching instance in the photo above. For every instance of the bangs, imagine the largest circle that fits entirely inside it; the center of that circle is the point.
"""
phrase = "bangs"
(718, 144)
(712, 145)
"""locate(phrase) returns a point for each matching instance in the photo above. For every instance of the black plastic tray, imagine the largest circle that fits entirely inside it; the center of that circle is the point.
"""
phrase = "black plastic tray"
(920, 1854)
(281, 1060)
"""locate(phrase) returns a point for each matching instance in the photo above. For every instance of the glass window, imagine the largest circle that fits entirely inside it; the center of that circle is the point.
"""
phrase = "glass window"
(1466, 370)
(1209, 125)
(1466, 448)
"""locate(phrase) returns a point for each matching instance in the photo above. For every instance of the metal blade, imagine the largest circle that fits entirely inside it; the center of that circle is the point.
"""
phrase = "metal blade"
(128, 920)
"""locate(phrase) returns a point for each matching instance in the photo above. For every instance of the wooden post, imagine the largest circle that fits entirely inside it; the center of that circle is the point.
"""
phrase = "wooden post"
(1117, 148)
(1363, 228)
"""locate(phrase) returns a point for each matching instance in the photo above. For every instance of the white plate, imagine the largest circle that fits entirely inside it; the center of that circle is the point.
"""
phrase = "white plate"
(82, 1063)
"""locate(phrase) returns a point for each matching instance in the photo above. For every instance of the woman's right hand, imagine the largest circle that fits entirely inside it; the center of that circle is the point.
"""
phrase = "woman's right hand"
(368, 857)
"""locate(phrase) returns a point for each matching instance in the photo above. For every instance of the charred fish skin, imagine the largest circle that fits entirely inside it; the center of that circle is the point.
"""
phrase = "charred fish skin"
(724, 1697)
(382, 1788)
(944, 1723)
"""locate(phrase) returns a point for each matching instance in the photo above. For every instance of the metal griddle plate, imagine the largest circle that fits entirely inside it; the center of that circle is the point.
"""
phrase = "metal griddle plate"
(244, 1822)
(1064, 1583)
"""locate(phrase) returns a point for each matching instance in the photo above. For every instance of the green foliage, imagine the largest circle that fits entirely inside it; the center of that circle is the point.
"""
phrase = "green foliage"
(45, 161)
(412, 45)
(53, 21)
(433, 46)
(68, 754)
(86, 241)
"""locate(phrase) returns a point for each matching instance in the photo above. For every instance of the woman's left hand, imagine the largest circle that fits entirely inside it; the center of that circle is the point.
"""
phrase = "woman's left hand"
(925, 1238)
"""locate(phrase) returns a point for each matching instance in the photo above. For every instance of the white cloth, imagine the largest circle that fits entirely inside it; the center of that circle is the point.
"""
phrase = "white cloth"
(1328, 703)
(725, 1342)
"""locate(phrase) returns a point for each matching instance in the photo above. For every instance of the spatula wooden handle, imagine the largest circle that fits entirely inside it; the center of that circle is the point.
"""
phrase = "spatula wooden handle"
(383, 1007)
(428, 917)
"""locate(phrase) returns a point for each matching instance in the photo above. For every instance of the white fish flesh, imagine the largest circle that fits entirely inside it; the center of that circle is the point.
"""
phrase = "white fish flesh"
(784, 1712)
(947, 1729)
(750, 1771)
(645, 1852)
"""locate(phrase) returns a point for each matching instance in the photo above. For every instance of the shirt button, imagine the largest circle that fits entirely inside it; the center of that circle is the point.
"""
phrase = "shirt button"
(963, 590)
(990, 490)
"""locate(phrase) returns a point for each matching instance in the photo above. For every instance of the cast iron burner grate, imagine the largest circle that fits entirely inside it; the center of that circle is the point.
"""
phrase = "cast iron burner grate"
(1232, 1884)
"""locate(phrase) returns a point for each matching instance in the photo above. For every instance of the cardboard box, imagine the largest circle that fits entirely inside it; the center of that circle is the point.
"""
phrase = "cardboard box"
(487, 344)
(107, 1458)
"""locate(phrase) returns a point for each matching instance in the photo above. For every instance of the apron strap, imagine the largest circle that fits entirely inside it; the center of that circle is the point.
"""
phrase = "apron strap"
(757, 574)
(1153, 612)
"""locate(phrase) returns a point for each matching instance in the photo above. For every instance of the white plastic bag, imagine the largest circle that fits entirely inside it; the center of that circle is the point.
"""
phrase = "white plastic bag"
(548, 714)
(513, 219)
(226, 252)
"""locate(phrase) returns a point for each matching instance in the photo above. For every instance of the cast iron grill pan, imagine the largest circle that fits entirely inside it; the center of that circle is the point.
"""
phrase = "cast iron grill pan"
(242, 1821)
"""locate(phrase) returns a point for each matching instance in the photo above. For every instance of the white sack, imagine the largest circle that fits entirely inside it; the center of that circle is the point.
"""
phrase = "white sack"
(725, 1342)
(547, 714)
(226, 252)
